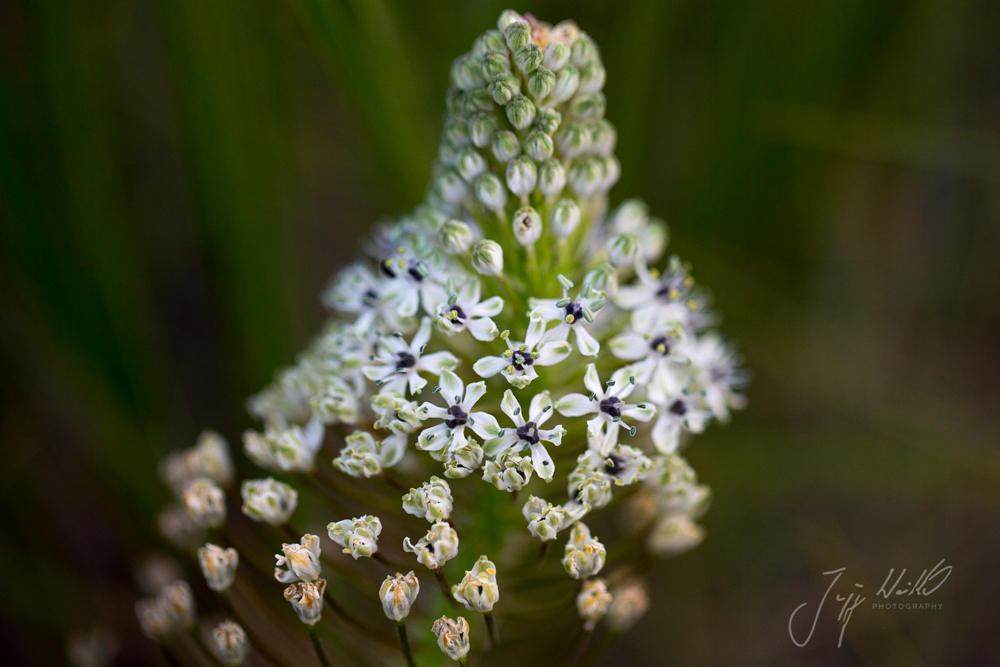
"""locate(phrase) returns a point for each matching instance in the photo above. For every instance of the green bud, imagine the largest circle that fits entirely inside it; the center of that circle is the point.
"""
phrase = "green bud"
(528, 57)
(565, 217)
(448, 153)
(465, 73)
(574, 140)
(456, 132)
(507, 17)
(551, 177)
(456, 237)
(521, 176)
(520, 112)
(505, 146)
(504, 87)
(587, 106)
(584, 51)
(450, 185)
(494, 63)
(487, 258)
(585, 177)
(476, 100)
(470, 163)
(603, 137)
(491, 40)
(567, 81)
(538, 145)
(490, 191)
(454, 102)
(624, 249)
(592, 77)
(548, 120)
(518, 35)
(527, 225)
(541, 82)
(604, 278)
(556, 56)
(481, 129)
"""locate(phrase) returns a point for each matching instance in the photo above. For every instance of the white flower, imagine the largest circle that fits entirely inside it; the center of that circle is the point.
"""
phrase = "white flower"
(463, 311)
(301, 561)
(519, 361)
(358, 536)
(432, 500)
(436, 548)
(478, 590)
(653, 347)
(268, 500)
(606, 403)
(584, 555)
(509, 471)
(622, 464)
(396, 364)
(629, 602)
(673, 535)
(363, 456)
(527, 433)
(230, 642)
(716, 369)
(592, 602)
(571, 314)
(545, 520)
(307, 600)
(358, 289)
(205, 503)
(218, 565)
(208, 459)
(680, 411)
(398, 594)
(672, 296)
(285, 449)
(452, 636)
(450, 432)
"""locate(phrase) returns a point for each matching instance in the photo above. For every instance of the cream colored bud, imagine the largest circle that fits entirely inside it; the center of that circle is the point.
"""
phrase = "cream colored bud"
(487, 258)
(436, 548)
(541, 82)
(398, 594)
(478, 589)
(451, 186)
(307, 600)
(481, 129)
(456, 237)
(584, 555)
(517, 34)
(179, 603)
(432, 500)
(629, 602)
(300, 560)
(528, 57)
(490, 191)
(177, 526)
(452, 636)
(556, 56)
(592, 602)
(358, 537)
(522, 175)
(269, 500)
(505, 146)
(205, 503)
(565, 217)
(470, 164)
(673, 535)
(218, 565)
(230, 642)
(527, 225)
(624, 249)
(520, 112)
(551, 177)
(538, 146)
(567, 81)
(507, 17)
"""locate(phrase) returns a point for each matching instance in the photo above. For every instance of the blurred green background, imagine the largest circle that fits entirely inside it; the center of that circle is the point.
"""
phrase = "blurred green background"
(178, 179)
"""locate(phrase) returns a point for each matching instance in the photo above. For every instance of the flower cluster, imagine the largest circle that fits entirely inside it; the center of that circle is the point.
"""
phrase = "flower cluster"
(513, 328)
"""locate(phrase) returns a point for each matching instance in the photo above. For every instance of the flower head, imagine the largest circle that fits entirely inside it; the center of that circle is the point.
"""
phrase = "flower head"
(478, 589)
(300, 561)
(584, 555)
(465, 310)
(452, 636)
(218, 565)
(363, 456)
(396, 365)
(307, 600)
(268, 500)
(572, 314)
(285, 449)
(398, 594)
(508, 471)
(545, 520)
(359, 537)
(436, 548)
(674, 534)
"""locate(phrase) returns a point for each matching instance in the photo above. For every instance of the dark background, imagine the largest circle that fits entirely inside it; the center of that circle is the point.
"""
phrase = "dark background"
(178, 180)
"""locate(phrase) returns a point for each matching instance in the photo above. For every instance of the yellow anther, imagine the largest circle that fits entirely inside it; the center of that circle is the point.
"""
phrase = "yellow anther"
(490, 571)
(692, 304)
(673, 293)
(511, 369)
(570, 319)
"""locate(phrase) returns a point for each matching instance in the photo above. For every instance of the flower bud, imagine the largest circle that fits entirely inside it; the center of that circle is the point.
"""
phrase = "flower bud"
(208, 459)
(528, 57)
(450, 186)
(178, 601)
(592, 602)
(307, 600)
(432, 500)
(230, 642)
(545, 520)
(522, 175)
(154, 620)
(629, 603)
(436, 548)
(504, 87)
(476, 100)
(584, 555)
(456, 237)
(268, 500)
(359, 537)
(507, 17)
(520, 112)
(465, 73)
(592, 77)
(487, 258)
(538, 146)
(556, 56)
(565, 32)
(586, 177)
(505, 146)
(478, 589)
(301, 561)
(565, 217)
(567, 81)
(491, 40)
(551, 177)
(177, 526)
(584, 51)
(398, 594)
(494, 64)
(464, 461)
(603, 137)
(205, 503)
(470, 164)
(541, 82)
(527, 226)
(362, 456)
(574, 140)
(603, 278)
(490, 192)
(218, 565)
(452, 636)
(456, 133)
(481, 129)
(673, 535)
(517, 34)
(547, 120)
(624, 249)
(587, 106)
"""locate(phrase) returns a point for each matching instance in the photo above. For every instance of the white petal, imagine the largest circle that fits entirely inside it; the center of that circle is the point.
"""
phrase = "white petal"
(542, 462)
(496, 446)
(487, 367)
(538, 404)
(458, 439)
(452, 387)
(468, 294)
(552, 353)
(629, 346)
(430, 411)
(415, 383)
(484, 424)
(536, 328)
(422, 336)
(592, 381)
(511, 407)
(437, 362)
(432, 439)
(633, 296)
(473, 393)
(575, 405)
(482, 328)
(559, 332)
(589, 347)
(639, 414)
(489, 308)
(553, 435)
(666, 435)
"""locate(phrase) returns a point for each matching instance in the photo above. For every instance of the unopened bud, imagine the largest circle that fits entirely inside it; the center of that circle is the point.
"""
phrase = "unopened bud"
(584, 555)
(487, 258)
(504, 87)
(522, 175)
(481, 129)
(505, 146)
(567, 81)
(584, 51)
(470, 164)
(551, 177)
(230, 642)
(541, 82)
(490, 191)
(587, 106)
(673, 535)
(565, 217)
(592, 77)
(493, 64)
(629, 603)
(205, 503)
(547, 120)
(465, 73)
(451, 186)
(520, 112)
(436, 548)
(527, 224)
(556, 56)
(624, 249)
(517, 34)
(528, 57)
(398, 594)
(456, 237)
(432, 500)
(538, 146)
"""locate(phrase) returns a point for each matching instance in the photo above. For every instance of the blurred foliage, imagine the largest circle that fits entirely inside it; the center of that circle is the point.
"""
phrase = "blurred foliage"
(178, 179)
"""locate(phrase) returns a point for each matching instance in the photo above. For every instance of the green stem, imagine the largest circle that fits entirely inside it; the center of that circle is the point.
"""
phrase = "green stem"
(320, 653)
(463, 661)
(491, 627)
(405, 644)
(443, 583)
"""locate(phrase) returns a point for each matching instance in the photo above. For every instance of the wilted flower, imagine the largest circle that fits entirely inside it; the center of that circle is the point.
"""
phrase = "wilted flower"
(218, 565)
(436, 548)
(478, 589)
(178, 601)
(463, 461)
(301, 561)
(452, 636)
(432, 500)
(629, 602)
(397, 594)
(359, 537)
(584, 556)
(592, 602)
(205, 503)
(307, 599)
(268, 500)
(230, 642)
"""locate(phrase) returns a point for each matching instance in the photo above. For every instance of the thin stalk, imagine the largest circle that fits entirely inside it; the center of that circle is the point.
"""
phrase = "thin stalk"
(491, 627)
(320, 653)
(533, 273)
(404, 642)
(255, 640)
(443, 583)
(463, 661)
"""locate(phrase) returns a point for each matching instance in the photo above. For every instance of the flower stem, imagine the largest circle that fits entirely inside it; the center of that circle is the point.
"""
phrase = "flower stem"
(405, 643)
(443, 583)
(491, 627)
(320, 653)
(463, 661)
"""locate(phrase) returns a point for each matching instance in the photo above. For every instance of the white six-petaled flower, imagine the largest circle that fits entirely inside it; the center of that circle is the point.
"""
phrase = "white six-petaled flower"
(518, 363)
(527, 432)
(572, 314)
(605, 402)
(396, 365)
(465, 311)
(460, 399)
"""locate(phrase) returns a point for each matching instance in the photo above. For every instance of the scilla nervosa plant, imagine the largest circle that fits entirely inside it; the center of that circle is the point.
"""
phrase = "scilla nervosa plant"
(512, 365)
